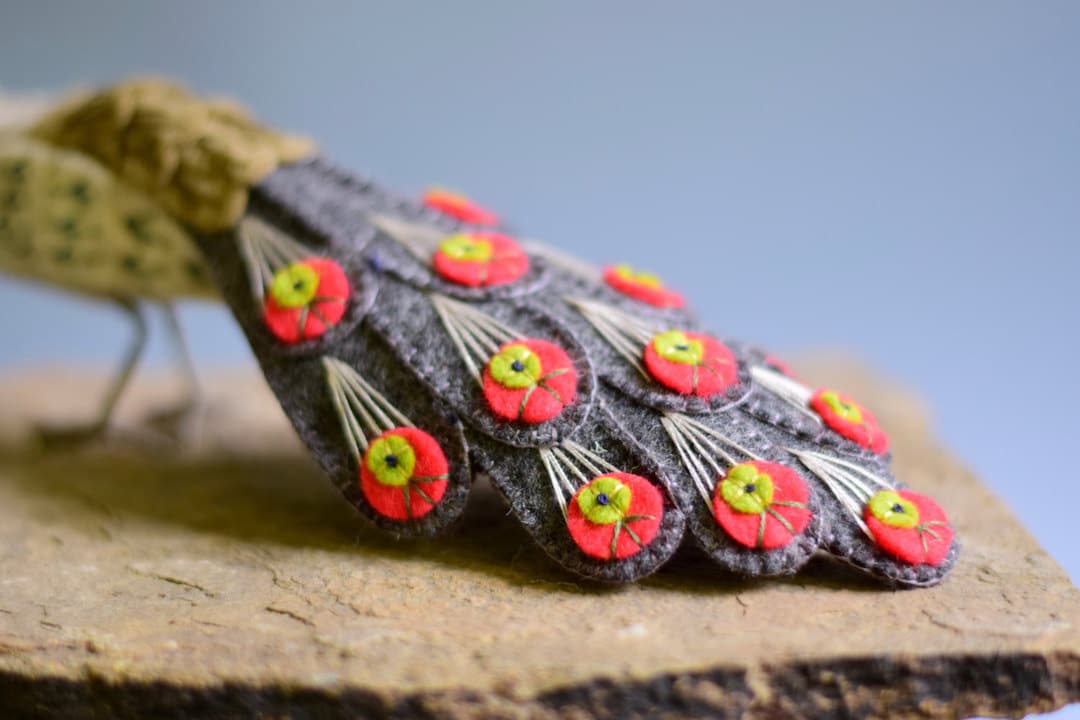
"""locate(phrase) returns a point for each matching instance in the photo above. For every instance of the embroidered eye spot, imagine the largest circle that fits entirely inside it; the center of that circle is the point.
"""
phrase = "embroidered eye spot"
(294, 286)
(404, 474)
(643, 287)
(305, 299)
(392, 459)
(615, 516)
(690, 363)
(679, 348)
(459, 207)
(849, 420)
(516, 366)
(467, 248)
(605, 500)
(892, 509)
(909, 526)
(530, 381)
(762, 505)
(480, 259)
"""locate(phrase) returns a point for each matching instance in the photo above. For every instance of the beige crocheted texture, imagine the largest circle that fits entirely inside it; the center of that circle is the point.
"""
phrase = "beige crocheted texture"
(196, 157)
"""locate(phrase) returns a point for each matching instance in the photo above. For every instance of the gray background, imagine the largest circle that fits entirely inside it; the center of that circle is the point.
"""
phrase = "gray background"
(899, 179)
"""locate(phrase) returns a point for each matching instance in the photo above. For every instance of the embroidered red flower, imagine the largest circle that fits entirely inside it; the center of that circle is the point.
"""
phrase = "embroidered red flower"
(850, 420)
(305, 300)
(762, 505)
(459, 207)
(404, 474)
(615, 516)
(690, 363)
(909, 526)
(644, 287)
(480, 259)
(529, 380)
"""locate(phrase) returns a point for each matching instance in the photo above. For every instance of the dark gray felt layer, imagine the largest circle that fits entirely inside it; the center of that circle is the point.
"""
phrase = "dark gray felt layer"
(298, 379)
(412, 327)
(392, 336)
(645, 427)
(520, 476)
(395, 259)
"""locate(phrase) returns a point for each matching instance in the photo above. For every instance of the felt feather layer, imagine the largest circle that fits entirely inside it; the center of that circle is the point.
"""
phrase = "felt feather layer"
(412, 350)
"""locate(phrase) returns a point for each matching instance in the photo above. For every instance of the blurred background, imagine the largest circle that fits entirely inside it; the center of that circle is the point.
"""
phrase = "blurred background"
(901, 180)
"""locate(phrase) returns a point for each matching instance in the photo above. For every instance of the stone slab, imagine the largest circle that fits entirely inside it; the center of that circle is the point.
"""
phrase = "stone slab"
(225, 578)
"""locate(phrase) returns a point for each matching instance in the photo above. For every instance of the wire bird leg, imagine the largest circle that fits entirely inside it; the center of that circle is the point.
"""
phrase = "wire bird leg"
(81, 434)
(179, 422)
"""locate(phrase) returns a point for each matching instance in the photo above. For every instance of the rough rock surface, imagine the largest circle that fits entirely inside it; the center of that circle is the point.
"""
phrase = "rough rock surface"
(227, 579)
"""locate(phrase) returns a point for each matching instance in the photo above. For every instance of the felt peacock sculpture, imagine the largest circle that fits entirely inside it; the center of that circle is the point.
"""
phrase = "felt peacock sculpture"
(415, 342)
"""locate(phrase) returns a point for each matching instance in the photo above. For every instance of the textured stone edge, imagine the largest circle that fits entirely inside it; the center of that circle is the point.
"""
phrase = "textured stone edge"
(1010, 685)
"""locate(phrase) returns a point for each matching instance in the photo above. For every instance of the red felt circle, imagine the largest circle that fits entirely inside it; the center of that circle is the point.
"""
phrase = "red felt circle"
(460, 208)
(656, 296)
(389, 500)
(595, 539)
(906, 544)
(542, 404)
(743, 528)
(507, 263)
(325, 311)
(868, 433)
(717, 372)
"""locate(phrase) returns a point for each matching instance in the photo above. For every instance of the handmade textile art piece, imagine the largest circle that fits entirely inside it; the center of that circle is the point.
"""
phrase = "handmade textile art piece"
(416, 342)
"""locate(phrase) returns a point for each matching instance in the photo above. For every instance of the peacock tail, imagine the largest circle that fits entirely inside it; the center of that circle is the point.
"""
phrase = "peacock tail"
(415, 343)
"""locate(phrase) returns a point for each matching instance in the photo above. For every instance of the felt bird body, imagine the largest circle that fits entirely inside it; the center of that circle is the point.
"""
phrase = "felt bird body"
(414, 343)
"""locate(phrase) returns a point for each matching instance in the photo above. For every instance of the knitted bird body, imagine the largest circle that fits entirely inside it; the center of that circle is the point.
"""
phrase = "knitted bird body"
(68, 221)
(415, 343)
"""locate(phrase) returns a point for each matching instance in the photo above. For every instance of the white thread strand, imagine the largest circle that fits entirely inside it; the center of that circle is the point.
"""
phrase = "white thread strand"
(710, 458)
(351, 427)
(476, 336)
(625, 333)
(568, 464)
(722, 438)
(373, 407)
(479, 335)
(499, 332)
(567, 483)
(576, 452)
(265, 248)
(255, 270)
(631, 353)
(841, 492)
(399, 419)
(545, 458)
(344, 416)
(474, 347)
(419, 240)
(790, 391)
(456, 339)
(560, 472)
(693, 430)
(358, 406)
(862, 471)
(689, 462)
(286, 248)
(596, 463)
(564, 261)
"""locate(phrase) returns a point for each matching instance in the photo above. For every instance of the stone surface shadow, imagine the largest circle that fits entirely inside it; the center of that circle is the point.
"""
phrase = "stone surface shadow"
(286, 501)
